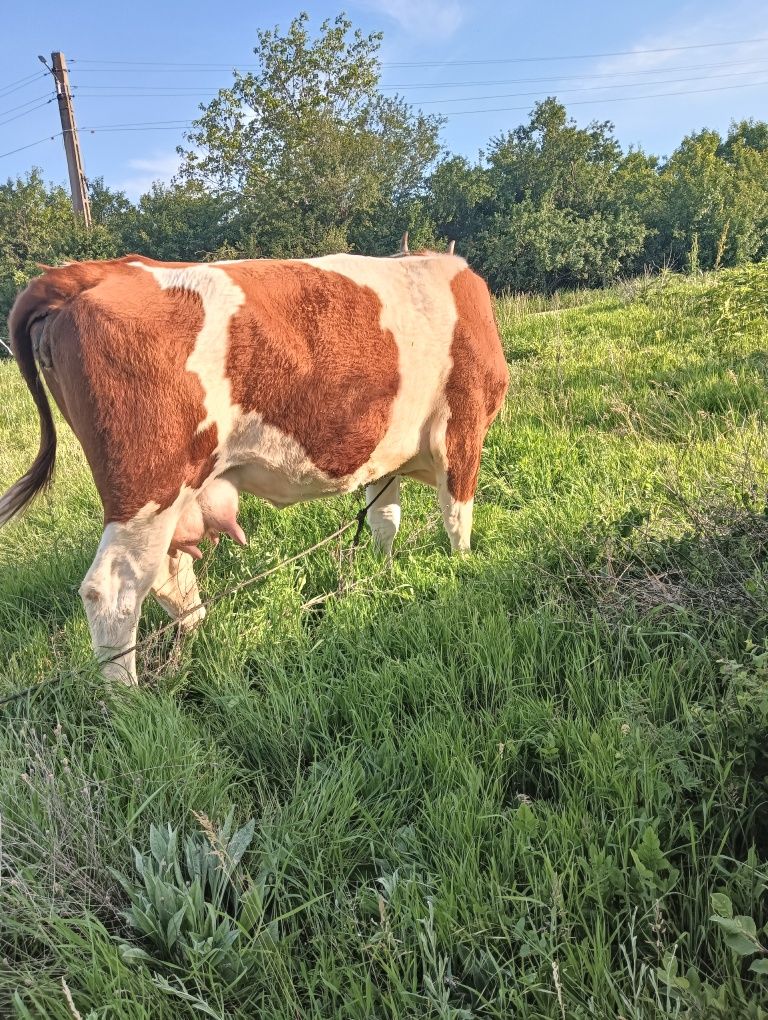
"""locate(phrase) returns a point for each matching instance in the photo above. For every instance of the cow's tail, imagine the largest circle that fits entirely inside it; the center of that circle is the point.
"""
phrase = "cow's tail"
(23, 315)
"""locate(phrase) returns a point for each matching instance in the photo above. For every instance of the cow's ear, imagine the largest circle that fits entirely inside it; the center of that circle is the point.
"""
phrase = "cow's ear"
(43, 266)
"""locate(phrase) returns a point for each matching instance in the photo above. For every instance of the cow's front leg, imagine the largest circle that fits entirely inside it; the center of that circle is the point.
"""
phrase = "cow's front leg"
(175, 588)
(127, 562)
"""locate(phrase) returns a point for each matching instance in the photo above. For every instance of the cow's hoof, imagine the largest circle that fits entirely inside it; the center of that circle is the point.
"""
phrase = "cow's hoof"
(120, 677)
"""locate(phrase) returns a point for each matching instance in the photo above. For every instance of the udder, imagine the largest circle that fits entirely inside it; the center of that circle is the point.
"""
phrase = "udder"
(212, 513)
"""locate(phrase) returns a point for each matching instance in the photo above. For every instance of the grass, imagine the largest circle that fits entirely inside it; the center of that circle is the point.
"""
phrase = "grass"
(504, 786)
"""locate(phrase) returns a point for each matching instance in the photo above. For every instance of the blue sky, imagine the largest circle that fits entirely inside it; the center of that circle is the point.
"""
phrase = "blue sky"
(449, 55)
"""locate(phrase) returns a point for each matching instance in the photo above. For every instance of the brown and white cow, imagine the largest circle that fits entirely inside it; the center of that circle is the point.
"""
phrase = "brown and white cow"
(187, 384)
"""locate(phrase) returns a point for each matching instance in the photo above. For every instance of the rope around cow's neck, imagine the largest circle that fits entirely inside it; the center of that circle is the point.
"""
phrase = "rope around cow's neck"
(359, 520)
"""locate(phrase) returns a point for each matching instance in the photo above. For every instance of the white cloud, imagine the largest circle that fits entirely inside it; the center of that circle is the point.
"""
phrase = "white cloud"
(160, 167)
(741, 21)
(423, 19)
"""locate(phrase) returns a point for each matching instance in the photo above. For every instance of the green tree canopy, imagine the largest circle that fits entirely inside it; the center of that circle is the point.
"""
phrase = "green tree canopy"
(305, 155)
(556, 214)
(311, 155)
(715, 198)
(37, 225)
(181, 222)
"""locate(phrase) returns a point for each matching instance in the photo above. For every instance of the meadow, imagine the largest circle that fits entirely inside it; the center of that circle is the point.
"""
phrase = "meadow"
(527, 783)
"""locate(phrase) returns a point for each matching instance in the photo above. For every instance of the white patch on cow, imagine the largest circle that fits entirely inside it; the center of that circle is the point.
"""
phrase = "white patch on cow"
(273, 466)
(221, 299)
(419, 309)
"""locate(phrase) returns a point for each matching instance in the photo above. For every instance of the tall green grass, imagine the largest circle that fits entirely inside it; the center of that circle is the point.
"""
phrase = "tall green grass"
(500, 786)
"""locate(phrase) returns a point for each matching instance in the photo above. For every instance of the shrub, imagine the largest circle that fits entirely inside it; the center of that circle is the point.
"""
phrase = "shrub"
(191, 905)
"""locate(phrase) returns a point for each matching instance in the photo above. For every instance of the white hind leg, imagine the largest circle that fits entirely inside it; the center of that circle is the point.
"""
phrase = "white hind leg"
(384, 515)
(127, 562)
(457, 516)
(456, 448)
(175, 588)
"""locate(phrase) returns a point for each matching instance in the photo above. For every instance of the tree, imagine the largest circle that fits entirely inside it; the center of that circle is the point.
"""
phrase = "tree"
(305, 155)
(556, 215)
(715, 197)
(751, 133)
(179, 223)
(310, 154)
(460, 199)
(637, 189)
(111, 209)
(37, 225)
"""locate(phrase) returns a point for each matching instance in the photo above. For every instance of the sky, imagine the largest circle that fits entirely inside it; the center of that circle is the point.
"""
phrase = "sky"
(482, 64)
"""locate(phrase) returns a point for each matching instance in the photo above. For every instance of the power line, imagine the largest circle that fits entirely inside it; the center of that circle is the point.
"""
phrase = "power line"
(147, 126)
(159, 63)
(33, 78)
(571, 56)
(84, 91)
(29, 102)
(147, 95)
(450, 99)
(116, 64)
(590, 88)
(574, 76)
(180, 89)
(616, 99)
(176, 125)
(24, 113)
(166, 70)
(170, 124)
(20, 81)
(21, 148)
(191, 90)
(144, 127)
(135, 124)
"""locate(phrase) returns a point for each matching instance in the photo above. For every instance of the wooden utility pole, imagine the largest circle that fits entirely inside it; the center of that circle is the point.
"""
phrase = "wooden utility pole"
(77, 181)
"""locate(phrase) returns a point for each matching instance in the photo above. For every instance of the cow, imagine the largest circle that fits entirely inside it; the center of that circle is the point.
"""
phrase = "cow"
(189, 383)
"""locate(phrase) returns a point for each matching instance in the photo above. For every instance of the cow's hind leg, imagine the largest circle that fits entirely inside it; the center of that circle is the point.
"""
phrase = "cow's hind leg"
(457, 465)
(384, 515)
(175, 588)
(127, 562)
(457, 514)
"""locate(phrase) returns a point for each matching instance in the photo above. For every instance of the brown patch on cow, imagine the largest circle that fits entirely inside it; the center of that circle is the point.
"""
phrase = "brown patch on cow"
(477, 383)
(308, 353)
(118, 350)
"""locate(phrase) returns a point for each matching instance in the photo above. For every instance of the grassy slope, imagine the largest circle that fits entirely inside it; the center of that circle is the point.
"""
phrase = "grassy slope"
(457, 769)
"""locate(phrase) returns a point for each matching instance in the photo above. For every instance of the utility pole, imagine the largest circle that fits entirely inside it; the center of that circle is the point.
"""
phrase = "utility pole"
(77, 181)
